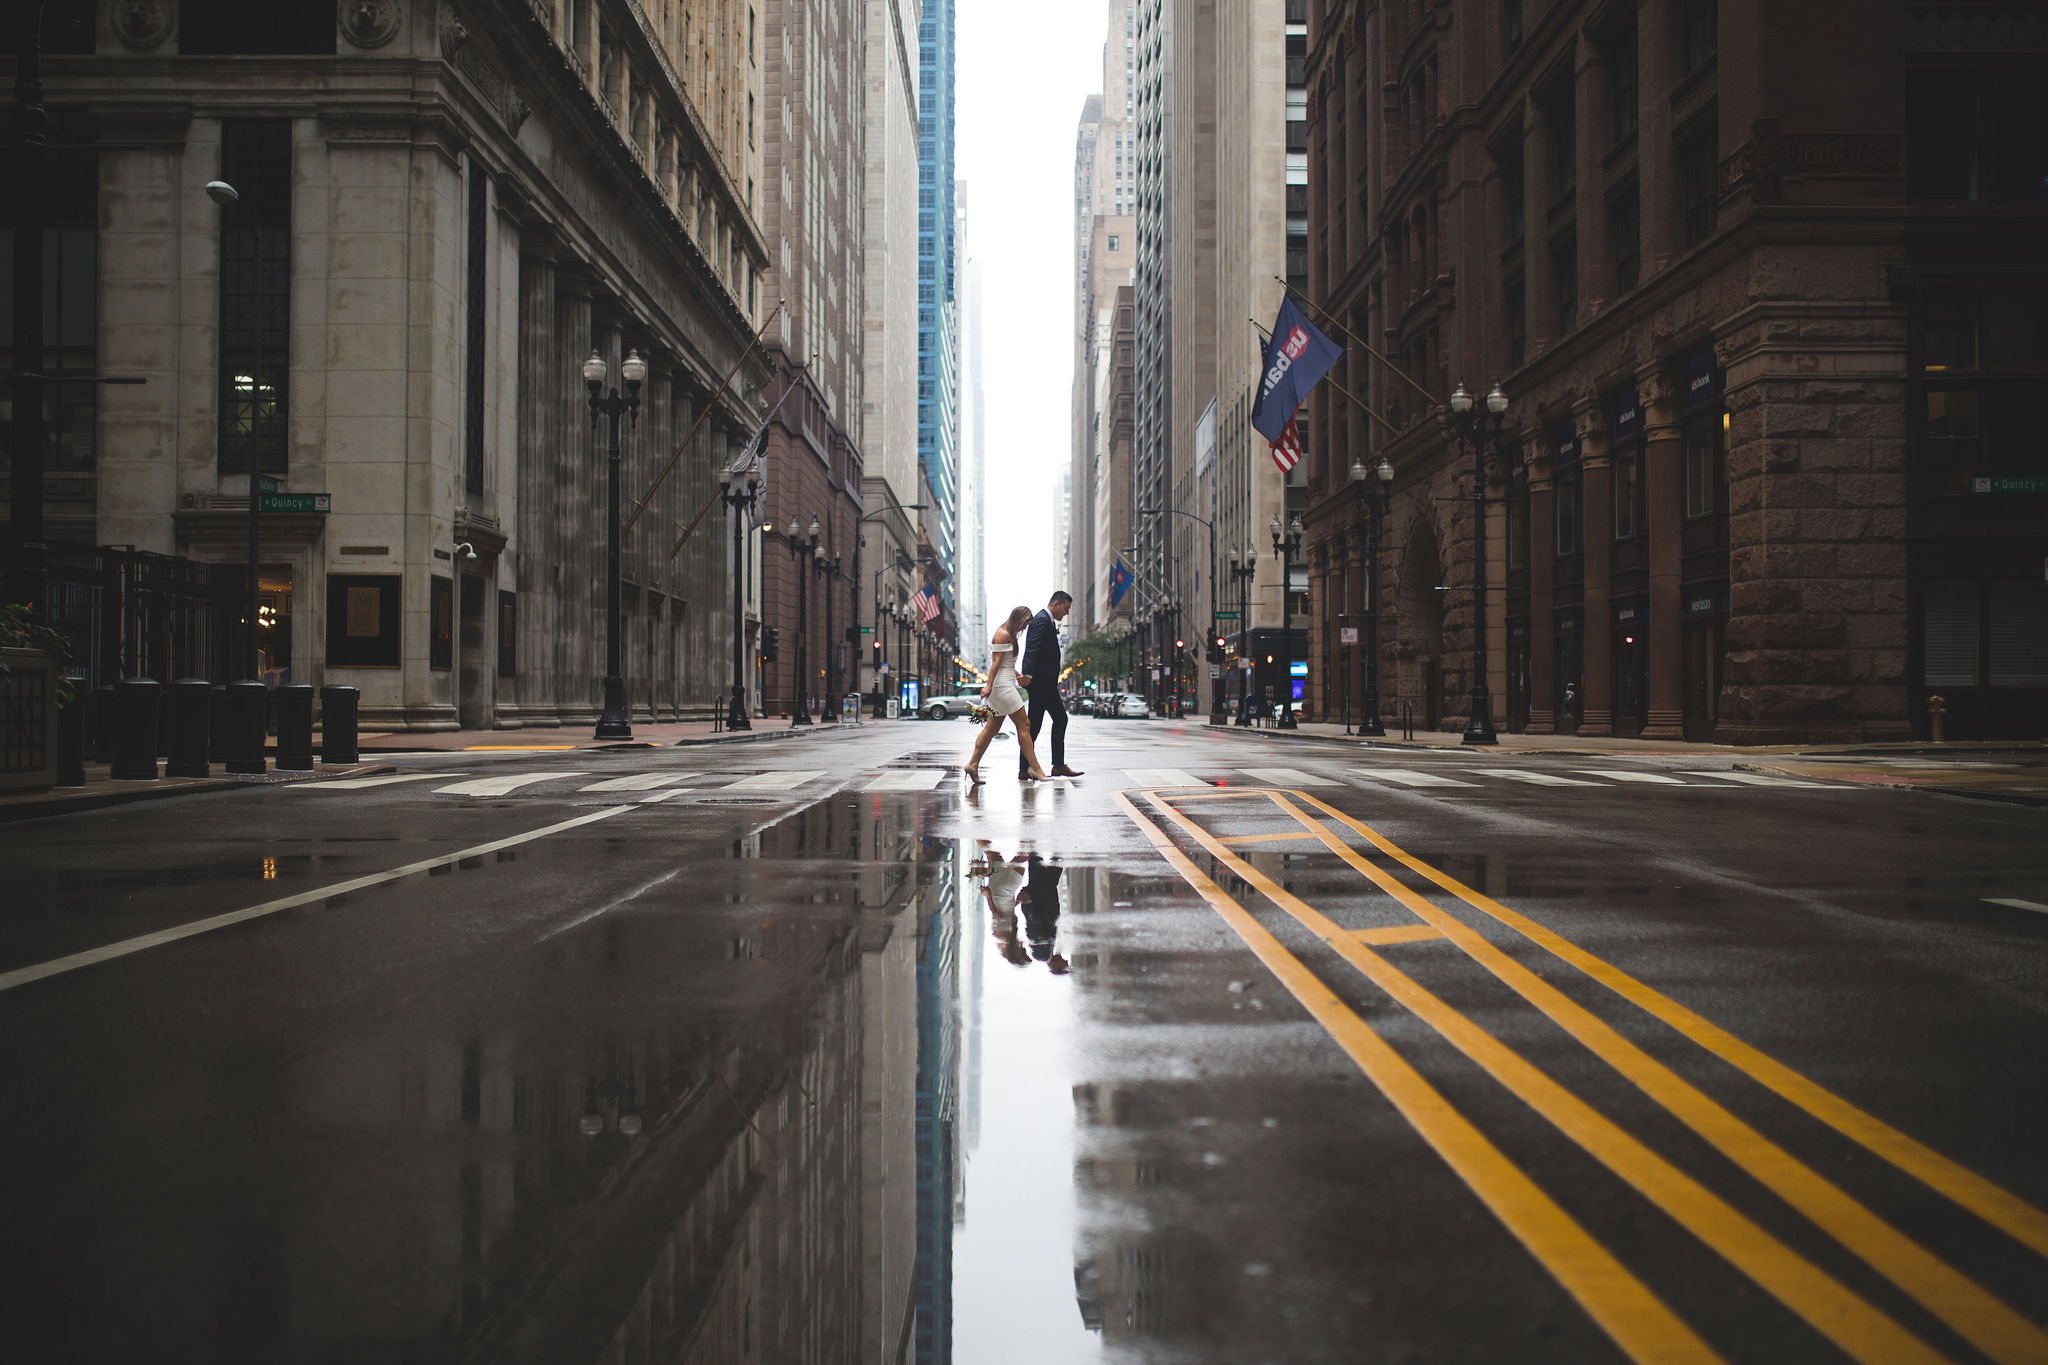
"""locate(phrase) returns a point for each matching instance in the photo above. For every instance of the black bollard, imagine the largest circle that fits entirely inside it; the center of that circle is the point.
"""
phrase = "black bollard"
(103, 723)
(338, 706)
(72, 718)
(295, 728)
(188, 715)
(248, 725)
(217, 727)
(135, 707)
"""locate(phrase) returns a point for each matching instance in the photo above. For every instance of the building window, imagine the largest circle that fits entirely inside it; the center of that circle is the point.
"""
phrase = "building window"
(1627, 232)
(70, 309)
(1567, 514)
(1704, 466)
(1518, 321)
(1941, 134)
(1564, 263)
(1113, 241)
(1983, 632)
(1513, 195)
(255, 294)
(1628, 492)
(1698, 33)
(1698, 162)
(1564, 141)
(1621, 72)
(1952, 440)
(473, 377)
(1511, 22)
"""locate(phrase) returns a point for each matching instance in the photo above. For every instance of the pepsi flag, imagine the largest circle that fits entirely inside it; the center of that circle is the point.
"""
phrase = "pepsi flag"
(1297, 355)
(1119, 582)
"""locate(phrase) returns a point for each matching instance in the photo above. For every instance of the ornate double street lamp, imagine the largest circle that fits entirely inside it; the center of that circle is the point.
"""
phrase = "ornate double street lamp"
(1285, 548)
(1372, 500)
(1476, 434)
(1244, 567)
(805, 549)
(741, 497)
(611, 723)
(828, 570)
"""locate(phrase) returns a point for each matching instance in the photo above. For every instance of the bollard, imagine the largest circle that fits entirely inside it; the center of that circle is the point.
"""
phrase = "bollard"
(188, 716)
(248, 711)
(295, 728)
(338, 724)
(217, 724)
(135, 706)
(1937, 712)
(72, 719)
(103, 723)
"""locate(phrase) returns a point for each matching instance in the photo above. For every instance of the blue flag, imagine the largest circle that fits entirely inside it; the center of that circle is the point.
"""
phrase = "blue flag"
(1119, 583)
(1296, 357)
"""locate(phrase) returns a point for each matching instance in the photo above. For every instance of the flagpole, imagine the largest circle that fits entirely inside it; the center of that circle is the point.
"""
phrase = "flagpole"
(1338, 387)
(720, 491)
(684, 444)
(1366, 346)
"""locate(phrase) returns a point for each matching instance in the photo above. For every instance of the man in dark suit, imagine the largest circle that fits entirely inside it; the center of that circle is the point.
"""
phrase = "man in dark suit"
(1039, 671)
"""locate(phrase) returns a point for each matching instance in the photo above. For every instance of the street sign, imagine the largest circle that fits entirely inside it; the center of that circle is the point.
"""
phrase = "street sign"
(2022, 484)
(269, 483)
(1347, 635)
(867, 630)
(297, 502)
(1226, 616)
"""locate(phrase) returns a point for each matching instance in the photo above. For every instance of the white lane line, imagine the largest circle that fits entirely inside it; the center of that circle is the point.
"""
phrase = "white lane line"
(1534, 779)
(638, 782)
(775, 782)
(1408, 777)
(905, 780)
(1757, 779)
(22, 976)
(2017, 904)
(1291, 777)
(1164, 777)
(1618, 775)
(499, 786)
(358, 783)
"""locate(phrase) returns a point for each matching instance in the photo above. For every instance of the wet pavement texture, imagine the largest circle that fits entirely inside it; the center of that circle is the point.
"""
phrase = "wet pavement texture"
(1232, 1049)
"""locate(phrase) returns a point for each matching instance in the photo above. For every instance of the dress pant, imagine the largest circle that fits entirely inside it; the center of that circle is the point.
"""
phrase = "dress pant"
(1041, 703)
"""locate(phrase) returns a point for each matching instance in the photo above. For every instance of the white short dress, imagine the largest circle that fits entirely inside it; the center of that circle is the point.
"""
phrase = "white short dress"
(1005, 697)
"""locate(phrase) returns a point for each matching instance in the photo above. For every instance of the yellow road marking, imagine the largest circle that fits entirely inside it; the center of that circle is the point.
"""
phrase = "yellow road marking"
(1975, 1314)
(513, 748)
(1832, 1309)
(1398, 933)
(1999, 1207)
(1640, 1323)
(1295, 837)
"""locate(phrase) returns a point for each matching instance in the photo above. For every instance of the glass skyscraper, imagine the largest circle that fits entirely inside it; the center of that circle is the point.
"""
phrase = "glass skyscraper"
(938, 323)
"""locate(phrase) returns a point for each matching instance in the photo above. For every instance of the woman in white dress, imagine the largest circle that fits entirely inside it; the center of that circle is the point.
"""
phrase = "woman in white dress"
(1004, 692)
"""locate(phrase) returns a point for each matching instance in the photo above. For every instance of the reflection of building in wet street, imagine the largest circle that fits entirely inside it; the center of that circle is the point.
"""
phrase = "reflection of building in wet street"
(938, 1062)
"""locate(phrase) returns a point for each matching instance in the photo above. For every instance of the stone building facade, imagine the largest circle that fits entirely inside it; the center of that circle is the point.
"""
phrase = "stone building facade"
(1760, 479)
(446, 206)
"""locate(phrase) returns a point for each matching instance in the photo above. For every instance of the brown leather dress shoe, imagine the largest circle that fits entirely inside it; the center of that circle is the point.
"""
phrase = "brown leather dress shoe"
(1062, 770)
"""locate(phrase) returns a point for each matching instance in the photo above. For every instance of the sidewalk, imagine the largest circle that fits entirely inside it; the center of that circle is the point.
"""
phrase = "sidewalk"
(102, 790)
(660, 735)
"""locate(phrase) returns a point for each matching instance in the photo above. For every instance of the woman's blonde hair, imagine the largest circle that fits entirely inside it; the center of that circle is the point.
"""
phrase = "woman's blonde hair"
(1019, 618)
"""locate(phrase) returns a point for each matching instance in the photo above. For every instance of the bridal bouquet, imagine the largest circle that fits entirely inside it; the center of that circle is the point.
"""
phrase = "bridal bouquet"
(980, 713)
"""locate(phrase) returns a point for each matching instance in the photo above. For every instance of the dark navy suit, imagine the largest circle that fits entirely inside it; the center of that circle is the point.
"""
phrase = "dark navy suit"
(1041, 664)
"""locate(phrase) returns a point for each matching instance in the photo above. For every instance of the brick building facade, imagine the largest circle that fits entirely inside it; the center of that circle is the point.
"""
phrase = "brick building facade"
(1766, 322)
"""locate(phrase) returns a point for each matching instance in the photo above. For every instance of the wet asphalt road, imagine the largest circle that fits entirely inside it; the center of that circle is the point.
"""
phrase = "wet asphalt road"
(803, 1052)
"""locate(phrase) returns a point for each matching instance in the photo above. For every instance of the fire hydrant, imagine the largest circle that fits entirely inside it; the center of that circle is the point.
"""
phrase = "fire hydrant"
(1937, 708)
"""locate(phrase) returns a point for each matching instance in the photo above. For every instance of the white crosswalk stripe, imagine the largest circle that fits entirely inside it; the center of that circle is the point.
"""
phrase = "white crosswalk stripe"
(1163, 777)
(1291, 777)
(639, 782)
(1756, 779)
(1618, 775)
(775, 782)
(1408, 777)
(349, 784)
(500, 786)
(1534, 778)
(905, 780)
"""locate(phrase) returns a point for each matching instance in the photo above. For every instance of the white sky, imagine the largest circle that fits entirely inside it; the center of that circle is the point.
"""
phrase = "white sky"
(1020, 80)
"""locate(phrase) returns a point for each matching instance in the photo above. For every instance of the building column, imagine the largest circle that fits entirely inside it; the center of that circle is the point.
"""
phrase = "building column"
(1664, 717)
(1539, 287)
(1596, 473)
(1656, 74)
(574, 521)
(1542, 589)
(533, 556)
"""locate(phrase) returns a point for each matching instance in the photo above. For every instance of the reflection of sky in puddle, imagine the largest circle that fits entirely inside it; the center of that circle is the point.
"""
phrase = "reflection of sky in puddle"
(1013, 1253)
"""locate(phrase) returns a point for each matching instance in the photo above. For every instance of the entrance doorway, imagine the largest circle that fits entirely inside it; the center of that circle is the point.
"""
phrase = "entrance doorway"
(1704, 644)
(274, 624)
(1631, 680)
(1571, 680)
(1518, 681)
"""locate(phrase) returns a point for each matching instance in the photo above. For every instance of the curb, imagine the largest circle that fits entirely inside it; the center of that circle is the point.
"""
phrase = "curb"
(1891, 782)
(129, 793)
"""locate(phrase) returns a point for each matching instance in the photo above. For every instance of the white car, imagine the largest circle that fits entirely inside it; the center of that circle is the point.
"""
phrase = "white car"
(1132, 707)
(944, 708)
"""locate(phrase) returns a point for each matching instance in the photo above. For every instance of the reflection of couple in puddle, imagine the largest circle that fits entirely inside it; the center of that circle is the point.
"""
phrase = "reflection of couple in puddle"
(1031, 885)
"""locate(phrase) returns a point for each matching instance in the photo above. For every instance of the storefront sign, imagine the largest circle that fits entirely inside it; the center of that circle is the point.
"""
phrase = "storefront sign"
(2010, 485)
(1628, 615)
(1564, 443)
(1702, 381)
(1706, 601)
(1569, 621)
(1628, 417)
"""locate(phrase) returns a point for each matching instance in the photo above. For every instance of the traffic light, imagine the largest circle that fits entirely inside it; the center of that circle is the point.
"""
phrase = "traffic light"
(1180, 644)
(771, 641)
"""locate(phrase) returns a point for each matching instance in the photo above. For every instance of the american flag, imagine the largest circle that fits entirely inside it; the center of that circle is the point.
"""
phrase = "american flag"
(1287, 450)
(927, 604)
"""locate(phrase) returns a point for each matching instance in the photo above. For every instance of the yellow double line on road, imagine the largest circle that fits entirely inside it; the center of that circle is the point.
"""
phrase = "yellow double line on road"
(1624, 1307)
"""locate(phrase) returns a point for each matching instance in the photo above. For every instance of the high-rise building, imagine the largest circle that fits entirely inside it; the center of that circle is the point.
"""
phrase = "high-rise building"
(971, 589)
(1763, 323)
(813, 82)
(938, 318)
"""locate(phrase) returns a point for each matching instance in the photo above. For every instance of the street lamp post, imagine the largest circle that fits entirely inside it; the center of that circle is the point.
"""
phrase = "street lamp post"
(1340, 553)
(1476, 434)
(1285, 547)
(611, 723)
(1216, 706)
(741, 498)
(802, 548)
(1374, 502)
(1244, 567)
(828, 569)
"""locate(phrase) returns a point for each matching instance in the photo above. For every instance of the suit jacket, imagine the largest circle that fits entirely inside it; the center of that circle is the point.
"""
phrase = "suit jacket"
(1041, 661)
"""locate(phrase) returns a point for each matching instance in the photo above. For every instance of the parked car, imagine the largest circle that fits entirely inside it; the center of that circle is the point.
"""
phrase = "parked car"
(1105, 704)
(1083, 705)
(945, 708)
(1133, 707)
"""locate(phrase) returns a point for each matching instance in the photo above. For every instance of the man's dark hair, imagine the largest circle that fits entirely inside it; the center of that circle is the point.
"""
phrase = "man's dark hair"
(1061, 596)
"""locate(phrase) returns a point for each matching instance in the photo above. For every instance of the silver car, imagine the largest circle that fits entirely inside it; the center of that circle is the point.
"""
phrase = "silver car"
(1133, 707)
(946, 708)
